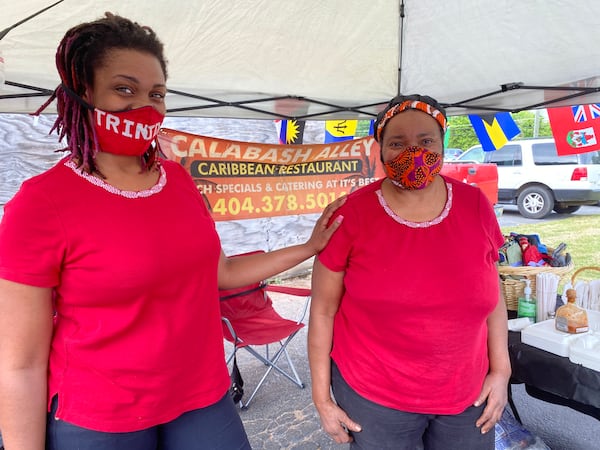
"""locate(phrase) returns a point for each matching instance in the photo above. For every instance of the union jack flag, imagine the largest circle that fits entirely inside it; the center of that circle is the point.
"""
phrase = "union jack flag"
(580, 114)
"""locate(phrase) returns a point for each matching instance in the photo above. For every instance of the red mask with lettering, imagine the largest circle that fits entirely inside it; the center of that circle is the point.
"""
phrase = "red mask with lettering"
(414, 168)
(128, 133)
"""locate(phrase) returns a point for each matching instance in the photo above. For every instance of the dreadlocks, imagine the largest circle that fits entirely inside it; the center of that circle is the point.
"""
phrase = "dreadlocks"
(82, 50)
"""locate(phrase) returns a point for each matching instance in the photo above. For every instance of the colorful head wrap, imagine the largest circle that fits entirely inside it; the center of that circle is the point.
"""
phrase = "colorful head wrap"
(402, 103)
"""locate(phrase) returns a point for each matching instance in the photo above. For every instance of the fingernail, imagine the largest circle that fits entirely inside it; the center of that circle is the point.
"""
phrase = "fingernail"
(339, 218)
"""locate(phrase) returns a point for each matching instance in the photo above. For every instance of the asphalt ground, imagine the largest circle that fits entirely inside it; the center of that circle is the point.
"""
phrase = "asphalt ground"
(510, 216)
(282, 416)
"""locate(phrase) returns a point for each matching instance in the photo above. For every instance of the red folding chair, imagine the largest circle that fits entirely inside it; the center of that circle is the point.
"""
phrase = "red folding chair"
(250, 322)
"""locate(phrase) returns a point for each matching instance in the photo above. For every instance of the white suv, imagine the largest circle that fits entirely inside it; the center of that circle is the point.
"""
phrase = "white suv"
(532, 176)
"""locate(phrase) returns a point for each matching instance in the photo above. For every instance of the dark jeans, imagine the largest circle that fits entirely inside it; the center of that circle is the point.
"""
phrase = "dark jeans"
(386, 428)
(215, 427)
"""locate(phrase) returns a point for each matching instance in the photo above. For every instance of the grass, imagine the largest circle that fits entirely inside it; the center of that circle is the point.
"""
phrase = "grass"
(580, 233)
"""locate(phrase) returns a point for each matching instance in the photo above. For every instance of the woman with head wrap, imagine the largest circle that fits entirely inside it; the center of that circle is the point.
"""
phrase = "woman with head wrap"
(407, 324)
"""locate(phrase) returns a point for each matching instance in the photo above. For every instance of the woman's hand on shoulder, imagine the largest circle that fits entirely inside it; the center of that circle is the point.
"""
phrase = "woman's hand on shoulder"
(322, 232)
(336, 422)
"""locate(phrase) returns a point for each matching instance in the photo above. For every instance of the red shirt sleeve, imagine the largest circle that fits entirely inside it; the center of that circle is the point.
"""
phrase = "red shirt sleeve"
(32, 239)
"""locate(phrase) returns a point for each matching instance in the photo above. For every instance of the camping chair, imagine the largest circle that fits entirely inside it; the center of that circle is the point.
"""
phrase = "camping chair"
(250, 321)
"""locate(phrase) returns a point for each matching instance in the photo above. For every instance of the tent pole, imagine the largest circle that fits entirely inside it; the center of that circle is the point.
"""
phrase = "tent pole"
(400, 44)
(6, 30)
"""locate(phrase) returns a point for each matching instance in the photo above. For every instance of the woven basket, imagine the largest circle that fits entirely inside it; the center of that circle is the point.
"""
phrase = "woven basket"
(578, 271)
(513, 280)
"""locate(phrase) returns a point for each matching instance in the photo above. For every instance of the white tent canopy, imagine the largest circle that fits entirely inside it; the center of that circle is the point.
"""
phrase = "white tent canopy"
(330, 59)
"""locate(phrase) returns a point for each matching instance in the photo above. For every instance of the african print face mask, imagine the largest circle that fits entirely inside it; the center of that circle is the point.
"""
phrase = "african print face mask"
(414, 168)
(129, 132)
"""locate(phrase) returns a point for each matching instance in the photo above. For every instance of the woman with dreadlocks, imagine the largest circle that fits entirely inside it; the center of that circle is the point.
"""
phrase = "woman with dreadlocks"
(110, 330)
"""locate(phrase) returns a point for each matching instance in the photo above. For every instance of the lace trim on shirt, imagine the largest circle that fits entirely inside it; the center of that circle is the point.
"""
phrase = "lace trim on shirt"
(425, 224)
(162, 181)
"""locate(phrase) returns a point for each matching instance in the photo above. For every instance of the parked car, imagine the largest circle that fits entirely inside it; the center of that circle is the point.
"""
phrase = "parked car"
(451, 154)
(535, 178)
(484, 176)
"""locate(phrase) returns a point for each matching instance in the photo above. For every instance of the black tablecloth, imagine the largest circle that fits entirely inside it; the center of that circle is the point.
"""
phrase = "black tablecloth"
(554, 378)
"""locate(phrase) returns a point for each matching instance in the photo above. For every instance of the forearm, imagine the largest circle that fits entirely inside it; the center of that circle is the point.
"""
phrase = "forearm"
(240, 271)
(23, 408)
(498, 340)
(25, 333)
(320, 335)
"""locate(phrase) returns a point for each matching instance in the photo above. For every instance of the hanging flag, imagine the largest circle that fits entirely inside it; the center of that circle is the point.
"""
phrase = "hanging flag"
(340, 130)
(494, 130)
(290, 131)
(364, 128)
(576, 129)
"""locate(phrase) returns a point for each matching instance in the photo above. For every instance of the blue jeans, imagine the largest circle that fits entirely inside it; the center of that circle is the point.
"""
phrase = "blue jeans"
(217, 426)
(386, 428)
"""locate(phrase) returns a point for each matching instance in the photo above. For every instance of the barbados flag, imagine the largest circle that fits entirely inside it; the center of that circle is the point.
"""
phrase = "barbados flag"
(340, 130)
(494, 130)
(290, 131)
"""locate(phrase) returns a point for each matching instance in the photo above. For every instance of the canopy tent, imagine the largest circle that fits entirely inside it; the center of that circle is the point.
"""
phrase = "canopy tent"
(330, 59)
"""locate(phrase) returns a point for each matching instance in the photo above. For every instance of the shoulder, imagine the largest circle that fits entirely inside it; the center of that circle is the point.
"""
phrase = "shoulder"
(176, 172)
(462, 188)
(58, 170)
(365, 192)
(466, 194)
(172, 166)
(359, 198)
(361, 205)
(468, 198)
(46, 182)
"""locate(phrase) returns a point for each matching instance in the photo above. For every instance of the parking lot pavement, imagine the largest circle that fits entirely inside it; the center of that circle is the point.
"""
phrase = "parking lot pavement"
(282, 415)
(511, 217)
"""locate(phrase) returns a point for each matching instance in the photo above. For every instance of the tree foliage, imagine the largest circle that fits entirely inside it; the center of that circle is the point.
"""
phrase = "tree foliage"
(463, 136)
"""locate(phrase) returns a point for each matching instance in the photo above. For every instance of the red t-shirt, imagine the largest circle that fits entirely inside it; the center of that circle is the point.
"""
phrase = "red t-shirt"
(411, 332)
(137, 338)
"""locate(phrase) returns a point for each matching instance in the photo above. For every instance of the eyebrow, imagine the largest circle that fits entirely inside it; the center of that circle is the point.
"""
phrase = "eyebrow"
(135, 80)
(420, 135)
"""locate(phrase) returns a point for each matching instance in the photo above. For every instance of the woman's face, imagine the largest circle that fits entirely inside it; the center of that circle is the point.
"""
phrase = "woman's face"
(128, 79)
(411, 128)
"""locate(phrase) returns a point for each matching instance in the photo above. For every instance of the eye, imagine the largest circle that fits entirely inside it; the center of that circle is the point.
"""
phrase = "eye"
(124, 89)
(428, 141)
(158, 95)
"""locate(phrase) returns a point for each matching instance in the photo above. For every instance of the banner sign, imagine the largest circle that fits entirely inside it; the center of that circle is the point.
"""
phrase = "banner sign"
(576, 129)
(244, 180)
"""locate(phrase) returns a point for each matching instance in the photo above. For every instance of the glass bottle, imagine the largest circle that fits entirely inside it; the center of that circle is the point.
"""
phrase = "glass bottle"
(571, 318)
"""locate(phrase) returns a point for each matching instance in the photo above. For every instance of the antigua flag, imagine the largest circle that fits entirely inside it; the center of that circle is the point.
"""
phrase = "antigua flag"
(576, 129)
(290, 131)
(494, 130)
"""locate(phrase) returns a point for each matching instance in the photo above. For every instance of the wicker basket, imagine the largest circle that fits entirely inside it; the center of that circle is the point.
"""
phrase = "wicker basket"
(578, 271)
(513, 278)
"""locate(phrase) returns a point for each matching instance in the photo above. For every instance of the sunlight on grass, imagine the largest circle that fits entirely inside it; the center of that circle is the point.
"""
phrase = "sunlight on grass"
(580, 233)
